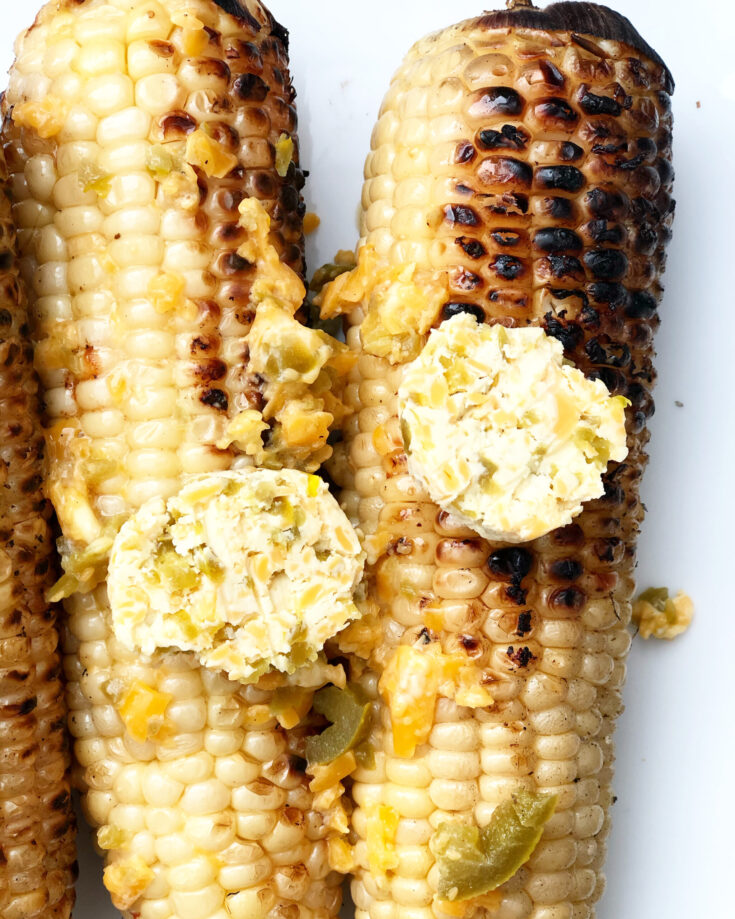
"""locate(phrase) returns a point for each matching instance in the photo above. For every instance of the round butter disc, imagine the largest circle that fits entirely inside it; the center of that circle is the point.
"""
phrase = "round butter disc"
(503, 432)
(250, 570)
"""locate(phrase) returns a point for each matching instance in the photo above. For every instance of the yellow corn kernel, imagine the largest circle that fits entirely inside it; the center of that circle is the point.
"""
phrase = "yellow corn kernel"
(382, 826)
(311, 223)
(341, 856)
(46, 118)
(209, 155)
(127, 880)
(194, 38)
(330, 774)
(284, 154)
(142, 709)
(112, 837)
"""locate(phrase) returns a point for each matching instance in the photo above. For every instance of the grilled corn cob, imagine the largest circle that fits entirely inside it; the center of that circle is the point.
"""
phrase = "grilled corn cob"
(525, 157)
(134, 130)
(37, 832)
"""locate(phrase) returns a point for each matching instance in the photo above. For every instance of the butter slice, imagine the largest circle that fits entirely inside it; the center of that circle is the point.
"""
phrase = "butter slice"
(250, 570)
(503, 432)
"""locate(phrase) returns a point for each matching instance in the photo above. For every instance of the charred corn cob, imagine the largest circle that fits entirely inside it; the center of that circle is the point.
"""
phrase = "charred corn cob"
(37, 832)
(138, 132)
(525, 157)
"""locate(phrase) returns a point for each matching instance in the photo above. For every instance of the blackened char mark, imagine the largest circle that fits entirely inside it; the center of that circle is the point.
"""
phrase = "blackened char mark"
(606, 264)
(592, 104)
(508, 204)
(561, 178)
(509, 137)
(557, 207)
(215, 398)
(556, 109)
(465, 152)
(551, 74)
(601, 231)
(642, 305)
(568, 152)
(505, 238)
(565, 266)
(609, 204)
(511, 564)
(497, 100)
(251, 87)
(461, 215)
(568, 333)
(613, 295)
(557, 239)
(457, 308)
(472, 247)
(505, 170)
(508, 267)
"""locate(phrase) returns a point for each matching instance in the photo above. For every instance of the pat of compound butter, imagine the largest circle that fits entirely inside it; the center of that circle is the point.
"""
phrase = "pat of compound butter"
(250, 570)
(503, 432)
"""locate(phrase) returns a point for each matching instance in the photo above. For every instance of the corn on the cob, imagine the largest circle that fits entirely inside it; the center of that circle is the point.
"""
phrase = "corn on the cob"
(134, 129)
(37, 831)
(525, 154)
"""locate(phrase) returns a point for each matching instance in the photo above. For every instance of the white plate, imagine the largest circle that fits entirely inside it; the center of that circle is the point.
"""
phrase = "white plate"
(671, 850)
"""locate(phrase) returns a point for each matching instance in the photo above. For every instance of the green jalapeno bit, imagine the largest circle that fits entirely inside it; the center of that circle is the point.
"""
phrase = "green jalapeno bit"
(349, 712)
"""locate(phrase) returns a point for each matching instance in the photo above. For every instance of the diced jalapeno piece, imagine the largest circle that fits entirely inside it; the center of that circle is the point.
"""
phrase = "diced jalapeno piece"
(474, 861)
(656, 596)
(349, 712)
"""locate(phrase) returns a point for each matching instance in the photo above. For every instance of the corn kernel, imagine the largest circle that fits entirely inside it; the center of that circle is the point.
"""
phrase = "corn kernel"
(143, 709)
(127, 880)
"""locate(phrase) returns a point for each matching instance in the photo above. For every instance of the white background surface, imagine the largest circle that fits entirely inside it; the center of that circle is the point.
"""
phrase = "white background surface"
(672, 849)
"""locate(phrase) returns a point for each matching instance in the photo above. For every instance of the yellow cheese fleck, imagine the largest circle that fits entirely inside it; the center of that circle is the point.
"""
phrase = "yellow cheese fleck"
(143, 709)
(382, 826)
(284, 154)
(329, 774)
(311, 223)
(46, 117)
(167, 292)
(127, 881)
(245, 431)
(209, 155)
(658, 615)
(341, 856)
(312, 488)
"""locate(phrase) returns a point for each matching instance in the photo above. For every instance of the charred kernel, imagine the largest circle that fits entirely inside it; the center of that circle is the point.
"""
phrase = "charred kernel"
(505, 170)
(465, 153)
(557, 208)
(570, 535)
(613, 495)
(610, 204)
(563, 178)
(161, 48)
(469, 643)
(27, 706)
(568, 152)
(614, 295)
(505, 237)
(465, 280)
(210, 371)
(508, 267)
(565, 266)
(645, 240)
(606, 264)
(455, 309)
(613, 379)
(592, 104)
(605, 149)
(665, 171)
(5, 317)
(557, 239)
(642, 305)
(513, 563)
(215, 398)
(555, 109)
(524, 625)
(637, 394)
(509, 299)
(551, 73)
(473, 247)
(508, 205)
(177, 125)
(590, 318)
(602, 231)
(615, 354)
(521, 657)
(516, 594)
(571, 598)
(460, 215)
(497, 100)
(251, 87)
(509, 137)
(463, 189)
(569, 334)
(566, 569)
(604, 549)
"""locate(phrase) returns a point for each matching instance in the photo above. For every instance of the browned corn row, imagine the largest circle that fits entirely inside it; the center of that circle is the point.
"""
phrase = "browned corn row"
(527, 153)
(37, 831)
(141, 310)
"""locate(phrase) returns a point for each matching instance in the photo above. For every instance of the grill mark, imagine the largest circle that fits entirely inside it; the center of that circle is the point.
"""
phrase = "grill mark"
(497, 100)
(563, 178)
(455, 308)
(508, 137)
(556, 109)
